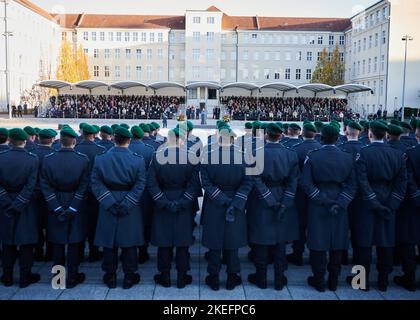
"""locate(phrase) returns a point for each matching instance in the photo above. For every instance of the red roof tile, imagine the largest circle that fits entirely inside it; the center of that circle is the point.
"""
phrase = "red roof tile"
(213, 9)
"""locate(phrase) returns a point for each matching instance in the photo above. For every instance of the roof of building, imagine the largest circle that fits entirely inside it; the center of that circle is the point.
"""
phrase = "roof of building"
(213, 9)
(34, 8)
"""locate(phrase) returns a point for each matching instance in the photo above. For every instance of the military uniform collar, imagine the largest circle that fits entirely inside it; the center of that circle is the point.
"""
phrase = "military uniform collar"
(120, 149)
(66, 150)
(18, 149)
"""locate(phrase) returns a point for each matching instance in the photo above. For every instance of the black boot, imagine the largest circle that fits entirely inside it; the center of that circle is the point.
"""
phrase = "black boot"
(130, 280)
(259, 279)
(110, 279)
(206, 256)
(280, 281)
(95, 255)
(345, 258)
(332, 282)
(407, 281)
(317, 282)
(39, 255)
(183, 280)
(7, 278)
(383, 282)
(164, 279)
(213, 282)
(143, 255)
(27, 279)
(295, 259)
(233, 281)
(75, 280)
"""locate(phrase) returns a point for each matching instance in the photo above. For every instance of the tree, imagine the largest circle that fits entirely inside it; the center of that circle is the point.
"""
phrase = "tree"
(72, 66)
(329, 71)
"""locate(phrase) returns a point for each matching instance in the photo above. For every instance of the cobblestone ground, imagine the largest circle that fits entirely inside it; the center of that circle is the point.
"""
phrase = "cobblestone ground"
(94, 289)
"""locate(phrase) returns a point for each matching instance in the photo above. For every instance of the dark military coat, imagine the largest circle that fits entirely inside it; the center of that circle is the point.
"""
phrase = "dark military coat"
(107, 144)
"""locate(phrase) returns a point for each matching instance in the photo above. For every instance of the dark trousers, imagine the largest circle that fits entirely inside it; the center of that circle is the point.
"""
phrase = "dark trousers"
(93, 206)
(215, 261)
(320, 265)
(182, 259)
(299, 245)
(262, 253)
(26, 259)
(73, 259)
(384, 259)
(128, 258)
(408, 258)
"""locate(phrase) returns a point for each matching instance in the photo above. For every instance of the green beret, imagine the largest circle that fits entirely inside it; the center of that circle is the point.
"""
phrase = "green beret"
(123, 132)
(318, 124)
(248, 125)
(114, 126)
(346, 122)
(177, 132)
(418, 124)
(30, 131)
(395, 122)
(378, 125)
(81, 125)
(137, 132)
(405, 125)
(256, 125)
(365, 124)
(285, 126)
(336, 124)
(152, 126)
(145, 127)
(97, 128)
(18, 134)
(4, 132)
(47, 134)
(413, 123)
(306, 121)
(354, 125)
(263, 126)
(190, 126)
(227, 132)
(106, 129)
(309, 127)
(88, 129)
(124, 125)
(330, 131)
(37, 130)
(218, 122)
(294, 126)
(156, 125)
(395, 130)
(223, 126)
(69, 132)
(274, 129)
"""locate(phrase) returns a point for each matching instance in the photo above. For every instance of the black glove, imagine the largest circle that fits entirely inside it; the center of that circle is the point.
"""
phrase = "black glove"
(114, 209)
(10, 212)
(276, 206)
(184, 203)
(226, 203)
(62, 215)
(230, 214)
(384, 212)
(280, 213)
(173, 206)
(335, 209)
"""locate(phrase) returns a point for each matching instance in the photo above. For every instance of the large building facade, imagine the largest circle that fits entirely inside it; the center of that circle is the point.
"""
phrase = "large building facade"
(214, 47)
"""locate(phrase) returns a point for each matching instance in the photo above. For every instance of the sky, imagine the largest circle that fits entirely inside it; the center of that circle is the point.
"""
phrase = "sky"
(290, 8)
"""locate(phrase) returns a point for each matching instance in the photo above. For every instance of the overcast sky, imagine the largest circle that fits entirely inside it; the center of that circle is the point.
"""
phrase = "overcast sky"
(290, 8)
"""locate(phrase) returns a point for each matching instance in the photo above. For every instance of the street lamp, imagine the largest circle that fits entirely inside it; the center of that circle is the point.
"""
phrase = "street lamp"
(406, 38)
(6, 35)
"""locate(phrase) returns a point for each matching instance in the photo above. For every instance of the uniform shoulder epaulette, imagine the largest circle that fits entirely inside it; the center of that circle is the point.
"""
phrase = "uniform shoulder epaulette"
(32, 154)
(4, 151)
(50, 154)
(313, 151)
(83, 155)
(137, 155)
(297, 144)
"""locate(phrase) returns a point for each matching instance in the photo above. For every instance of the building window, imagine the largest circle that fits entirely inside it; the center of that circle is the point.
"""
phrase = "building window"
(152, 37)
(256, 75)
(117, 72)
(117, 53)
(266, 74)
(96, 53)
(196, 36)
(96, 71)
(160, 73)
(119, 36)
(308, 74)
(319, 56)
(383, 63)
(128, 72)
(128, 53)
(93, 36)
(370, 41)
(107, 73)
(254, 38)
(320, 40)
(299, 56)
(369, 65)
(160, 53)
(102, 36)
(364, 67)
(287, 74)
(381, 88)
(138, 54)
(210, 20)
(86, 51)
(384, 37)
(196, 54)
(160, 37)
(331, 40)
(209, 73)
(342, 41)
(298, 74)
(171, 55)
(288, 56)
(309, 56)
(376, 39)
(143, 37)
(149, 72)
(127, 36)
(172, 37)
(135, 36)
(110, 36)
(342, 56)
(233, 55)
(277, 56)
(107, 53)
(245, 74)
(210, 54)
(256, 55)
(86, 36)
(196, 20)
(210, 36)
(149, 54)
(359, 46)
(277, 75)
(234, 39)
(375, 64)
(223, 37)
(64, 36)
(193, 94)
(196, 72)
(138, 72)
